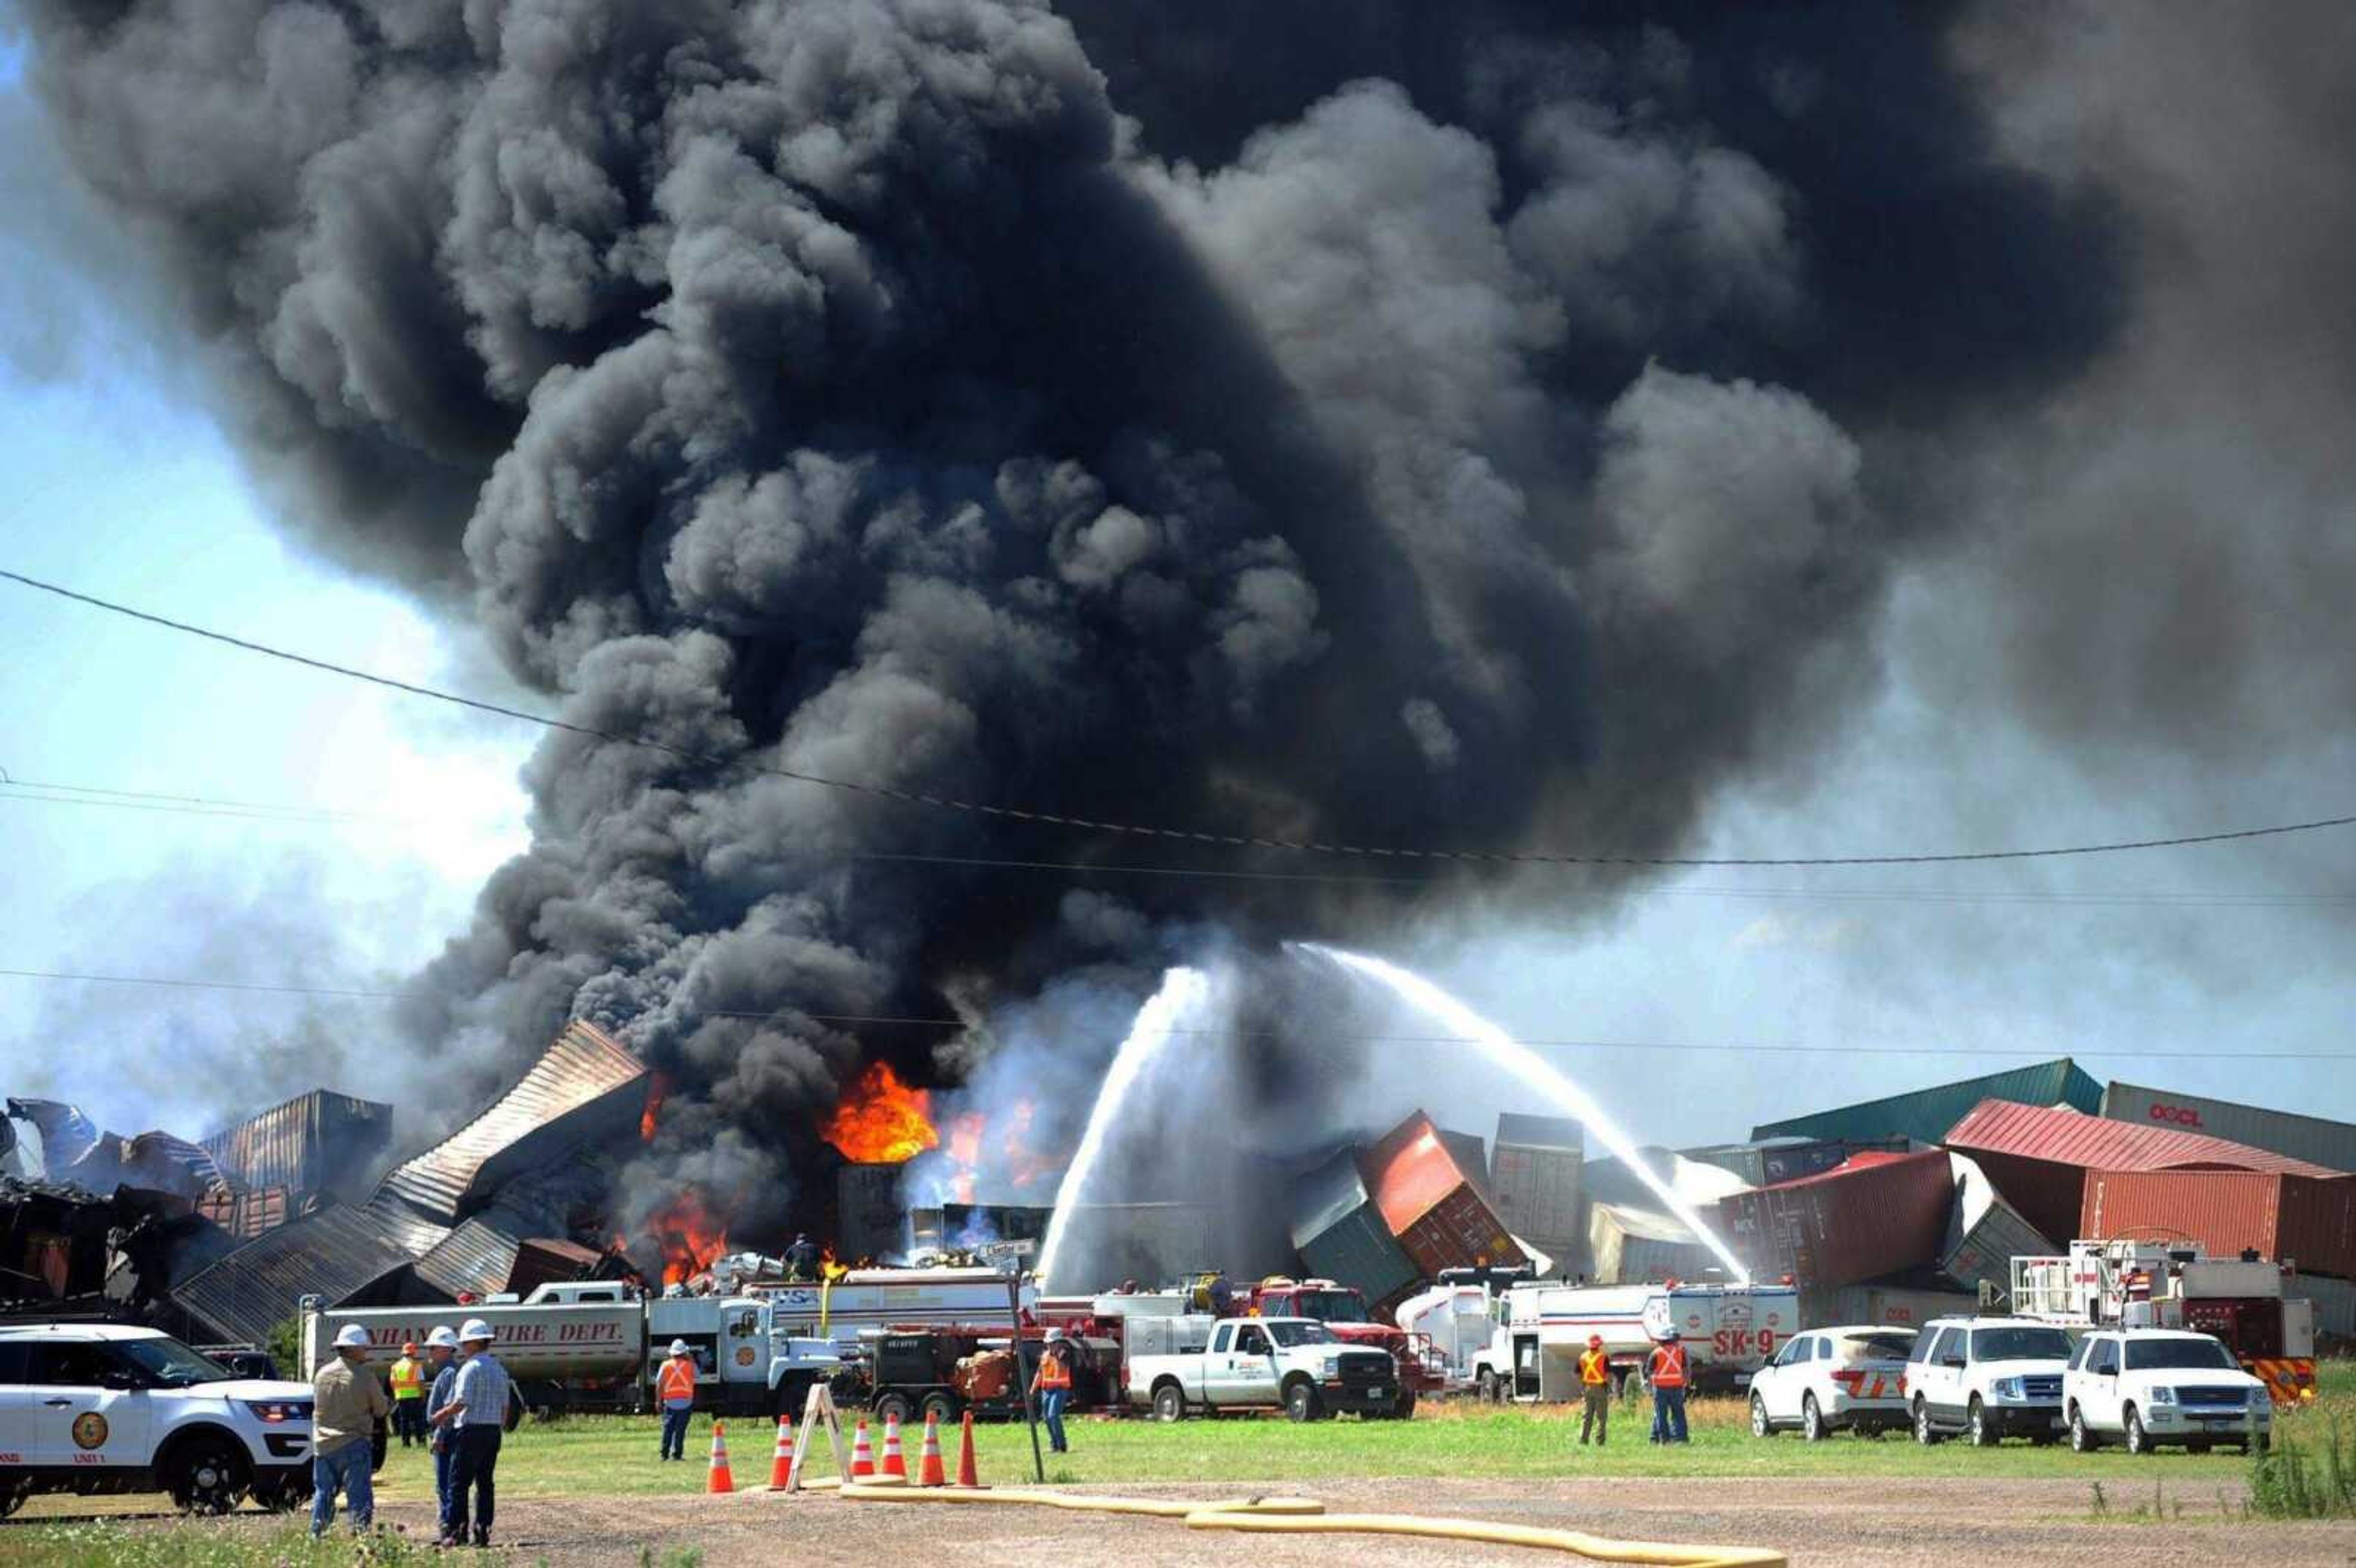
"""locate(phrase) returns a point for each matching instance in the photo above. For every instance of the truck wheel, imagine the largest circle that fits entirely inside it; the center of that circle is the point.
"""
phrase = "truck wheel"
(1923, 1432)
(2081, 1436)
(1301, 1401)
(891, 1407)
(1760, 1425)
(2138, 1440)
(1982, 1435)
(1403, 1408)
(1169, 1403)
(943, 1408)
(1811, 1420)
(206, 1474)
(13, 1494)
(1486, 1388)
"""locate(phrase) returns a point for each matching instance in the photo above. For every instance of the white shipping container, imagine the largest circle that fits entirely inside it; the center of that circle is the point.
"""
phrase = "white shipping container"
(1534, 1180)
(2311, 1139)
(1985, 1233)
(2334, 1299)
(1637, 1246)
(1888, 1304)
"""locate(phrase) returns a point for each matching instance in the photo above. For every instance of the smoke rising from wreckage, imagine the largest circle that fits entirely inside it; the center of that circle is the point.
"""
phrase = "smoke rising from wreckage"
(1448, 426)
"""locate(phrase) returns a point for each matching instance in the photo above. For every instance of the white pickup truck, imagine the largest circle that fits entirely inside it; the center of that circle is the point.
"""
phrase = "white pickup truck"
(1294, 1364)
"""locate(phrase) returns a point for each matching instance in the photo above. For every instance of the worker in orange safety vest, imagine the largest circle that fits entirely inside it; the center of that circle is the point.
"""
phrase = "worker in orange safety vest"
(674, 1396)
(408, 1381)
(1053, 1385)
(1665, 1371)
(1595, 1382)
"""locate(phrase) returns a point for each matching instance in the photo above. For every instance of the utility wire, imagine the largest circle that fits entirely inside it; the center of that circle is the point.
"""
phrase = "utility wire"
(330, 816)
(1093, 825)
(920, 1021)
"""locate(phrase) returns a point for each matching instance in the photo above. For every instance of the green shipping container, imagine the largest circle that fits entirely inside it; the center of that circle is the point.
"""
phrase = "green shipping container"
(1925, 1115)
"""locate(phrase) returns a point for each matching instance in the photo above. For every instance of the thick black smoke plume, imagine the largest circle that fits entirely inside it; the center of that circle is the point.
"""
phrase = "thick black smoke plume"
(1418, 425)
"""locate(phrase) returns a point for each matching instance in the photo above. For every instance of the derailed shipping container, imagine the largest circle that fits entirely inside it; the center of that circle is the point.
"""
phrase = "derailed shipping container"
(1925, 1115)
(1844, 1227)
(1985, 1233)
(1638, 1246)
(2309, 1138)
(1897, 1307)
(1430, 1203)
(1341, 1236)
(1763, 1162)
(2282, 1217)
(2039, 1158)
(1535, 1170)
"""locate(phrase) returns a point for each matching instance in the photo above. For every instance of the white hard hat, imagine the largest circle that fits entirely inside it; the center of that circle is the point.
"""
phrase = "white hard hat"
(679, 1347)
(351, 1336)
(476, 1329)
(444, 1337)
(1054, 1336)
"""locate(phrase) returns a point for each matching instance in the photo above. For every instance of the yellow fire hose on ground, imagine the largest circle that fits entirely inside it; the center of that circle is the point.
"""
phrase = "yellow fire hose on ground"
(1307, 1516)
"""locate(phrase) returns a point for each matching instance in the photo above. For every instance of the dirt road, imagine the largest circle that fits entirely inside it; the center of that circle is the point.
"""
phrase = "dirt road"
(1820, 1524)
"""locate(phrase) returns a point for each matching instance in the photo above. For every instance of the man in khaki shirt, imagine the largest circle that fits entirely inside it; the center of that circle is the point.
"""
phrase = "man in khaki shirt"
(347, 1402)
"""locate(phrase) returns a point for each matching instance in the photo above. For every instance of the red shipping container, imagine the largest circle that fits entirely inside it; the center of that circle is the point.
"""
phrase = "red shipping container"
(1860, 1222)
(1431, 1203)
(2279, 1216)
(2037, 1157)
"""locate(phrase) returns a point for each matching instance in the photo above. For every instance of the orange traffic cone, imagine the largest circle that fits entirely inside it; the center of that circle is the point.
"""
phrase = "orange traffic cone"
(781, 1459)
(895, 1458)
(929, 1464)
(862, 1456)
(966, 1475)
(718, 1480)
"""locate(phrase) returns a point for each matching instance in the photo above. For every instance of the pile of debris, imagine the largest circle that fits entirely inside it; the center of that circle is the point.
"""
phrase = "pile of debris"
(220, 1239)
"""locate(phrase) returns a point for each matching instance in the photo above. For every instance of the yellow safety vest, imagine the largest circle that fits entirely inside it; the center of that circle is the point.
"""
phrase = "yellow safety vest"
(408, 1379)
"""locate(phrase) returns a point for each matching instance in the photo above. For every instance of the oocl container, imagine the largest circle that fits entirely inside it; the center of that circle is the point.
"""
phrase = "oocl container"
(1845, 1226)
(2311, 1138)
(1430, 1203)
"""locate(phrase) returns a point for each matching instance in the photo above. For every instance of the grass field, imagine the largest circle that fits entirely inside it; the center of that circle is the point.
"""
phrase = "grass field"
(615, 1455)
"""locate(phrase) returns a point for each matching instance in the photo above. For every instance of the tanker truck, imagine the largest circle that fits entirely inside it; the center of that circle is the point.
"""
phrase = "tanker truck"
(598, 1344)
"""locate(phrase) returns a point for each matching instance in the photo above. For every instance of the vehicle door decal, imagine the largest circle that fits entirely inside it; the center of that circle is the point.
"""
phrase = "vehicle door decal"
(90, 1430)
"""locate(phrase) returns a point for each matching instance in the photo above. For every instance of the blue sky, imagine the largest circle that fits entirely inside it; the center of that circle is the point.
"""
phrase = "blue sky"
(113, 479)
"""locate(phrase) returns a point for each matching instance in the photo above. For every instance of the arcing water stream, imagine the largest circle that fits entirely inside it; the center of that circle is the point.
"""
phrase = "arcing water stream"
(1182, 988)
(1517, 1058)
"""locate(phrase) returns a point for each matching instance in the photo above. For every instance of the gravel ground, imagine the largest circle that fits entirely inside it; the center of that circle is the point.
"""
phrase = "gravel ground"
(1832, 1524)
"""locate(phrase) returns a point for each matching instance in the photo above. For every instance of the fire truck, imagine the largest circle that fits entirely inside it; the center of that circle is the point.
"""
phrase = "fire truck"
(2127, 1284)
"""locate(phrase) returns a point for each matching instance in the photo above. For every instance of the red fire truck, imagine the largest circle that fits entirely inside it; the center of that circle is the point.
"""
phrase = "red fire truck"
(2161, 1284)
(1342, 1309)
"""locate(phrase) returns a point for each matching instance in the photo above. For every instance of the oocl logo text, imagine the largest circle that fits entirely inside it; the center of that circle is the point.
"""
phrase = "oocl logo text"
(2182, 1115)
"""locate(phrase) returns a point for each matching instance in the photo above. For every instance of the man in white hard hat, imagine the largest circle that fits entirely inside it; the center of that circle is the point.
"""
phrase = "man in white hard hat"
(1052, 1385)
(675, 1394)
(442, 1362)
(347, 1402)
(477, 1407)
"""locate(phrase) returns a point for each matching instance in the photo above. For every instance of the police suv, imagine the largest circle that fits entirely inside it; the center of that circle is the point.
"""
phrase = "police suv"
(96, 1407)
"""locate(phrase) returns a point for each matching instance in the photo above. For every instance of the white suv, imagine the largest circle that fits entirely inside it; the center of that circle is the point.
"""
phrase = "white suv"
(1830, 1377)
(1987, 1378)
(2150, 1386)
(94, 1408)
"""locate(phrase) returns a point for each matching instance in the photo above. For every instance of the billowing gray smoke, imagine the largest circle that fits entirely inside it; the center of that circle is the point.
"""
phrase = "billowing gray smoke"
(1422, 425)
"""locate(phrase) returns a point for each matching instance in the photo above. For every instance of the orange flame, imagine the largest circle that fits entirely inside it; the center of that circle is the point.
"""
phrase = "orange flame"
(691, 1237)
(658, 1090)
(881, 1120)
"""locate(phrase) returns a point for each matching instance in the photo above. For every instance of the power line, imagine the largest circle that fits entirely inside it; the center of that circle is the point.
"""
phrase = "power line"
(34, 792)
(921, 1021)
(1094, 825)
